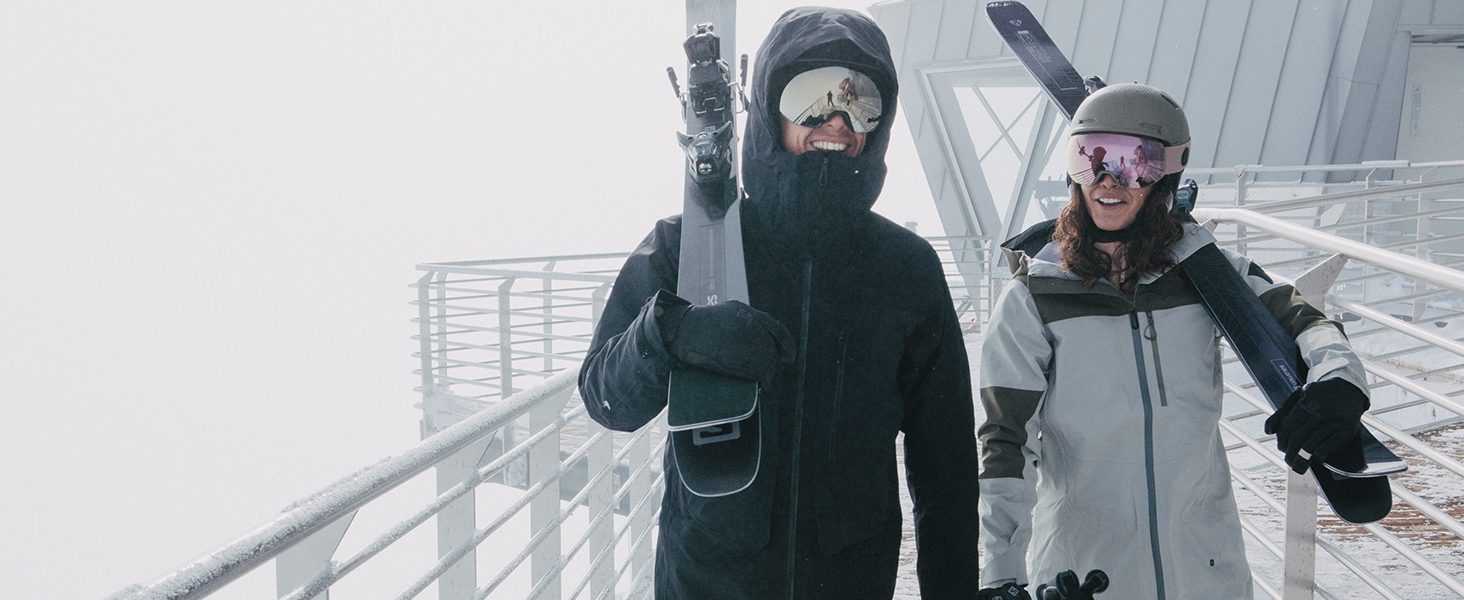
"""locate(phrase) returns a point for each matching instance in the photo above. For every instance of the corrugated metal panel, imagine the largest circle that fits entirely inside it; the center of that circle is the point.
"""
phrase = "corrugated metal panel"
(1263, 81)
(1304, 74)
(1447, 12)
(1339, 85)
(1092, 50)
(957, 24)
(1365, 78)
(1175, 47)
(1133, 47)
(1258, 75)
(1213, 75)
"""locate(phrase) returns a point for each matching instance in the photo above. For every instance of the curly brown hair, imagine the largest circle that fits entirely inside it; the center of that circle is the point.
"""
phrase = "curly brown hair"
(1156, 230)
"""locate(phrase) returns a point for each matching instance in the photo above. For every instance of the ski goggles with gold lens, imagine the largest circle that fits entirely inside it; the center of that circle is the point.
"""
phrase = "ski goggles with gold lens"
(813, 97)
(1132, 161)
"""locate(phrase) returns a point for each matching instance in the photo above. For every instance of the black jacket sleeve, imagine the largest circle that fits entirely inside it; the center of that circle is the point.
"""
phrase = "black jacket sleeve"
(941, 460)
(623, 379)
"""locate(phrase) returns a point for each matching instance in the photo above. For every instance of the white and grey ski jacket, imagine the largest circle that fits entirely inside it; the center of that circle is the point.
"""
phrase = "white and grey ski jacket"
(1101, 448)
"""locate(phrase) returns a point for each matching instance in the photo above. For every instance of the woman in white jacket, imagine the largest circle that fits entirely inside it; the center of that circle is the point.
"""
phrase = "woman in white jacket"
(1101, 380)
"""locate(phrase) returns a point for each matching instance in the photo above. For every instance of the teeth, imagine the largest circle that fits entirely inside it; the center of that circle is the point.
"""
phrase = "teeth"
(834, 146)
(1108, 201)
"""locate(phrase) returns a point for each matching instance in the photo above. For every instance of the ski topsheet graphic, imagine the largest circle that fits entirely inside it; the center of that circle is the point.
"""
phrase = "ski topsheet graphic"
(1353, 480)
(713, 418)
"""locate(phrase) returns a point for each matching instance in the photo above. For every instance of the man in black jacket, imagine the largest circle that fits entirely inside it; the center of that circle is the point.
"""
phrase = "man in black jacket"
(853, 340)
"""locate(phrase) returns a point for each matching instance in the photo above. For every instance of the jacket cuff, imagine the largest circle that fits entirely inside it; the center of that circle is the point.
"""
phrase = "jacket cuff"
(652, 339)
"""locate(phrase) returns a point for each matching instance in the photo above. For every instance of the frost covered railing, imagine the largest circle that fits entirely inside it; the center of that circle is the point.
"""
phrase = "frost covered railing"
(489, 327)
(595, 545)
(1402, 313)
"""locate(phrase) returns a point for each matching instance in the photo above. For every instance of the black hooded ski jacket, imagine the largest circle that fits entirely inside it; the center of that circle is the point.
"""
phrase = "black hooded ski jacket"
(879, 352)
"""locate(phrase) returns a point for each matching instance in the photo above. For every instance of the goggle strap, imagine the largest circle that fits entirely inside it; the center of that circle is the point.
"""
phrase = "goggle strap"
(1174, 158)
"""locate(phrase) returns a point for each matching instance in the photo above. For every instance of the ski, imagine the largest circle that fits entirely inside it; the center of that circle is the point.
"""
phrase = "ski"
(1353, 481)
(713, 418)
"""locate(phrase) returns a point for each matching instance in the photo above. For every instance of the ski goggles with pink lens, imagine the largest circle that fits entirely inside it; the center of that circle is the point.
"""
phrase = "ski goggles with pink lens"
(813, 97)
(1132, 161)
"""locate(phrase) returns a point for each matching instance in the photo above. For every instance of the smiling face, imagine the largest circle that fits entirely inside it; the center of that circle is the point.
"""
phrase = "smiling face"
(834, 135)
(1112, 206)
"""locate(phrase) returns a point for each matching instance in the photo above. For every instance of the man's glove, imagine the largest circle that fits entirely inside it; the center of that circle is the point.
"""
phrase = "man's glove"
(730, 338)
(1007, 591)
(1316, 421)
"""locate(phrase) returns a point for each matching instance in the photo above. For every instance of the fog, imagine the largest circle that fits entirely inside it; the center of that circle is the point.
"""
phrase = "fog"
(210, 213)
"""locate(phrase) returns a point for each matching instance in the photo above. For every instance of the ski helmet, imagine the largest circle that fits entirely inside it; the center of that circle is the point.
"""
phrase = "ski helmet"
(1133, 109)
(1132, 132)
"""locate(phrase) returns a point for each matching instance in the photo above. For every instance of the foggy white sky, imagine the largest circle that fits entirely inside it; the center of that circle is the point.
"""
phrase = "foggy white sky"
(210, 213)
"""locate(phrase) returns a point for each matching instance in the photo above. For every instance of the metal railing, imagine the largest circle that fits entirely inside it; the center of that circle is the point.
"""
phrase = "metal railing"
(304, 538)
(488, 328)
(1399, 310)
(571, 508)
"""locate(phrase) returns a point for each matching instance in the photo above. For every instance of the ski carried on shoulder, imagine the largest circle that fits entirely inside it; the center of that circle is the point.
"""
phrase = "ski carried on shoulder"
(713, 418)
(1353, 480)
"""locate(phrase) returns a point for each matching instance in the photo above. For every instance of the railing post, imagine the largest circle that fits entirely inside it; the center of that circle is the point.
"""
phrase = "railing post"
(544, 508)
(300, 563)
(601, 499)
(424, 335)
(636, 454)
(1240, 194)
(505, 338)
(1301, 537)
(1421, 251)
(549, 318)
(597, 304)
(456, 523)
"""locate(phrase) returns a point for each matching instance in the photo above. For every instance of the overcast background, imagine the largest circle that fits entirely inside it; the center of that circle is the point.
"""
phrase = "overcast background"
(210, 213)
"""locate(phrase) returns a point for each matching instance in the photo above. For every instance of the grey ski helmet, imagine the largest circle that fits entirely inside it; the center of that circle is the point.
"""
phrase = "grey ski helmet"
(1134, 109)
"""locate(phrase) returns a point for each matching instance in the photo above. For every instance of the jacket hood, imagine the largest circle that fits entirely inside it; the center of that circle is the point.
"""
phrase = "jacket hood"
(802, 39)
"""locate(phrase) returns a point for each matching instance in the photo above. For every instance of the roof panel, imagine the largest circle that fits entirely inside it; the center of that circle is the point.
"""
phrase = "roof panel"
(957, 24)
(1174, 47)
(1253, 93)
(1447, 12)
(1210, 79)
(1303, 82)
(1092, 51)
(920, 45)
(1263, 81)
(1133, 44)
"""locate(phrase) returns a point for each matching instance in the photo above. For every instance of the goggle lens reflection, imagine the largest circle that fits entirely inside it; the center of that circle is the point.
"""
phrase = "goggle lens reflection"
(813, 97)
(1132, 161)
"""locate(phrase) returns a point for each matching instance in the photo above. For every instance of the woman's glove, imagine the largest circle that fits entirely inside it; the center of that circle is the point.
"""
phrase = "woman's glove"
(730, 338)
(1010, 591)
(1316, 421)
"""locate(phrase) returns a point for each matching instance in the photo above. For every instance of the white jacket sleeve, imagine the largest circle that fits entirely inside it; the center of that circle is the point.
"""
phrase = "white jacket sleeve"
(1324, 348)
(1015, 358)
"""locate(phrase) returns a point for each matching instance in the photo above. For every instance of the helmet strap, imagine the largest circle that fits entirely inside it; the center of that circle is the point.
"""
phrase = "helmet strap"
(1101, 235)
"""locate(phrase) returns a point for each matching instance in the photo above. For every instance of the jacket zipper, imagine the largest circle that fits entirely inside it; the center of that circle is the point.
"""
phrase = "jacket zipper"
(838, 396)
(1148, 449)
(823, 177)
(1152, 335)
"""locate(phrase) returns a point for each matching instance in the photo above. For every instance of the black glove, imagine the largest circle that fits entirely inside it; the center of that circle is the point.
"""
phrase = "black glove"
(1316, 421)
(730, 338)
(1009, 591)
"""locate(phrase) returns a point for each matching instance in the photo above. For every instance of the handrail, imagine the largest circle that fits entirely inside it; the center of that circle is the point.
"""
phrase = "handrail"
(1400, 263)
(1392, 191)
(1240, 170)
(216, 569)
(1315, 245)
